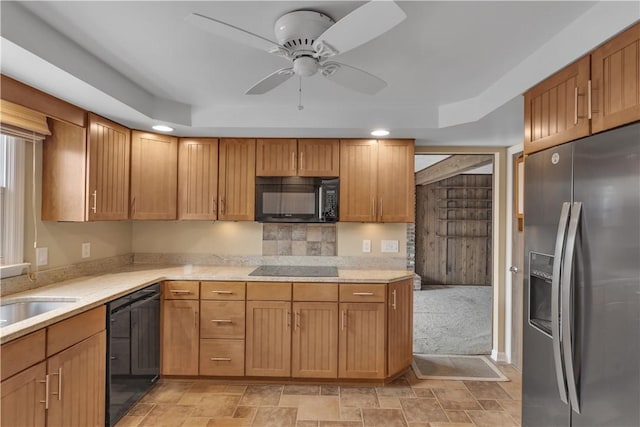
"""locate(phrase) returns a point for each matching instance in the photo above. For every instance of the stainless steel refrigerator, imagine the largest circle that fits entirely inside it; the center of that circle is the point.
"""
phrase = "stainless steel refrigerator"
(581, 355)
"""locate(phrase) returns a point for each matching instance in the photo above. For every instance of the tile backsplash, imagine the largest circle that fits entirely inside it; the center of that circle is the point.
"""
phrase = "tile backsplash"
(299, 239)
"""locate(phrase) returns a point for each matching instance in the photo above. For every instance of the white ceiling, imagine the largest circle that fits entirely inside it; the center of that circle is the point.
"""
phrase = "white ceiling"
(448, 63)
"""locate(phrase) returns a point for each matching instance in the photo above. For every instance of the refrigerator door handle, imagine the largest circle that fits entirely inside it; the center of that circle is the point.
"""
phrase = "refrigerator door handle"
(567, 313)
(555, 299)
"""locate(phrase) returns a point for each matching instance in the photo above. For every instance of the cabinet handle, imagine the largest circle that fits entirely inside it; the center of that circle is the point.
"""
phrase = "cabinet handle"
(363, 294)
(343, 320)
(221, 321)
(59, 374)
(94, 208)
(393, 294)
(222, 292)
(181, 291)
(589, 99)
(133, 206)
(288, 319)
(297, 324)
(214, 204)
(220, 359)
(380, 208)
(195, 318)
(575, 105)
(46, 391)
(302, 160)
(222, 206)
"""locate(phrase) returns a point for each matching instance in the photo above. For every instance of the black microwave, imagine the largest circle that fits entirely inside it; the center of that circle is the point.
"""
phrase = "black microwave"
(296, 199)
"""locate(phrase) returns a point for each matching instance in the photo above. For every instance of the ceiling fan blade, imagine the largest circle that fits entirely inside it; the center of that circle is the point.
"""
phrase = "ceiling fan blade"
(231, 32)
(360, 26)
(272, 81)
(353, 78)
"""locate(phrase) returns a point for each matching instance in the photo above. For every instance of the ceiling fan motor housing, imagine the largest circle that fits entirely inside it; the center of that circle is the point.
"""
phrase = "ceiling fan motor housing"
(298, 31)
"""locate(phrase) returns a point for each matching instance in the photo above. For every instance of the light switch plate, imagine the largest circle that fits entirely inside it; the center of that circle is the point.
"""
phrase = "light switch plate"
(86, 250)
(389, 246)
(366, 246)
(42, 256)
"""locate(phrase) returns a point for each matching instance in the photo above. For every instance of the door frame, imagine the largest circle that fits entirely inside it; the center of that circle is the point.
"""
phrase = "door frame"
(500, 242)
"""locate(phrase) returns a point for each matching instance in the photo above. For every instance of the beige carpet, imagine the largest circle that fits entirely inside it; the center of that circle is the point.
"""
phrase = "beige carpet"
(448, 367)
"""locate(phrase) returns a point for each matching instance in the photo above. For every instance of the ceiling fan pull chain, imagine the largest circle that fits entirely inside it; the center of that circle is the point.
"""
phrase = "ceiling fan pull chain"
(300, 106)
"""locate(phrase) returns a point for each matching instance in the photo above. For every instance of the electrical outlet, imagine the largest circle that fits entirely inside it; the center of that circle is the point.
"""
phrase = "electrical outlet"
(389, 246)
(366, 246)
(86, 250)
(42, 256)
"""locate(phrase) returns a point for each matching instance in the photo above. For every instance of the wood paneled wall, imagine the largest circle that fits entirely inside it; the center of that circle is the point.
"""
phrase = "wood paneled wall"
(453, 231)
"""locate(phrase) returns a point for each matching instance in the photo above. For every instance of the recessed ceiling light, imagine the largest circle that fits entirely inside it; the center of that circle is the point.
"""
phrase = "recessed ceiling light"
(163, 128)
(380, 132)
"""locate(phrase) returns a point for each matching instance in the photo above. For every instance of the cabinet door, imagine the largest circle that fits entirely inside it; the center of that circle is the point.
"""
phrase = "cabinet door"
(180, 327)
(615, 72)
(555, 111)
(154, 176)
(268, 340)
(315, 340)
(64, 155)
(362, 340)
(358, 180)
(77, 384)
(276, 157)
(319, 157)
(108, 151)
(198, 178)
(237, 170)
(399, 326)
(396, 182)
(23, 398)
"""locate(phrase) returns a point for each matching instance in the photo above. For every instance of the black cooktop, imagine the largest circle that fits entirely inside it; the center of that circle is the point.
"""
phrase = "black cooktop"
(295, 271)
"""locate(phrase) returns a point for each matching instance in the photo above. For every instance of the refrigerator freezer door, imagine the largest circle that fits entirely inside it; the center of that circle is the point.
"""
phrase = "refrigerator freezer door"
(547, 187)
(607, 182)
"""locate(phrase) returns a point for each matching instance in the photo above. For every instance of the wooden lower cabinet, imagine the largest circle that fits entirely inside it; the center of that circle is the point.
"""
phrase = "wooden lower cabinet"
(315, 340)
(23, 398)
(77, 384)
(399, 326)
(268, 338)
(361, 351)
(180, 337)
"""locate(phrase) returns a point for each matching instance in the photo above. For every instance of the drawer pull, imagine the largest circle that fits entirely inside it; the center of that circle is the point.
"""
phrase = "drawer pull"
(221, 359)
(181, 291)
(221, 321)
(363, 294)
(222, 292)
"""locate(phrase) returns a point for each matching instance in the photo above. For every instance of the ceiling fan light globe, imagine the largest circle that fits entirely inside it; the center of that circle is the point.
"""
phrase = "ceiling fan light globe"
(305, 66)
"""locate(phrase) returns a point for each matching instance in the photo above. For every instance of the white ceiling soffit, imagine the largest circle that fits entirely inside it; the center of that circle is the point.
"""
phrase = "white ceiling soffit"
(458, 64)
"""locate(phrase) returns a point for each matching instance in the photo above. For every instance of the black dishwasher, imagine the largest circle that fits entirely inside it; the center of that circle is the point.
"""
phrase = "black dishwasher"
(133, 353)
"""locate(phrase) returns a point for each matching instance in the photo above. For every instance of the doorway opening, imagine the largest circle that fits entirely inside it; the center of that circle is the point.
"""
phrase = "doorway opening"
(454, 254)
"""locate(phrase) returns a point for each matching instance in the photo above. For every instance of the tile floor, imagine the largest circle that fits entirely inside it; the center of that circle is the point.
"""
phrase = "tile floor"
(408, 401)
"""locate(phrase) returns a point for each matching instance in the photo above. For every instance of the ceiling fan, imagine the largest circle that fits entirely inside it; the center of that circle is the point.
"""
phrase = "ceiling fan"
(309, 38)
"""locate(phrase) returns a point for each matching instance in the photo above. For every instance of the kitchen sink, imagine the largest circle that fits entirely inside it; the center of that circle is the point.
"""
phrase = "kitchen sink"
(15, 311)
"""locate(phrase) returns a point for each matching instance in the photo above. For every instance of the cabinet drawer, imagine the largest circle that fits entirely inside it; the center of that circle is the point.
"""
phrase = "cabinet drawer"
(78, 328)
(222, 290)
(368, 292)
(181, 289)
(269, 291)
(222, 319)
(315, 292)
(19, 354)
(222, 357)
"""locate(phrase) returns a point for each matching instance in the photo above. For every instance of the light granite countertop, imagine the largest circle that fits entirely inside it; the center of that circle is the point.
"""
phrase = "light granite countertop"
(92, 291)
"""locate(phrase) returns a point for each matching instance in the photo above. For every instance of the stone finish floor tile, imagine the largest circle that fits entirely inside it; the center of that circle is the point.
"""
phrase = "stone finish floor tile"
(407, 402)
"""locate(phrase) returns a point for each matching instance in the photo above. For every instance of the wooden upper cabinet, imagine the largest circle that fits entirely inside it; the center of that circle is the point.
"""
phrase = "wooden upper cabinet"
(154, 176)
(377, 181)
(358, 180)
(396, 181)
(319, 157)
(108, 151)
(302, 157)
(198, 178)
(237, 170)
(276, 157)
(555, 111)
(615, 75)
